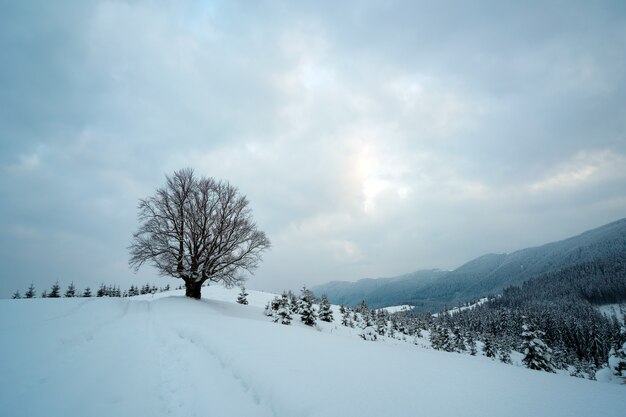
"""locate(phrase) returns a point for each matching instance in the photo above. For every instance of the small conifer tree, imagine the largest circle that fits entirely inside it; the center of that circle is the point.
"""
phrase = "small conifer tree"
(447, 343)
(55, 291)
(471, 343)
(381, 323)
(71, 290)
(293, 302)
(87, 292)
(504, 351)
(458, 341)
(325, 313)
(132, 291)
(537, 355)
(435, 341)
(345, 316)
(30, 293)
(355, 318)
(16, 295)
(283, 312)
(617, 362)
(363, 308)
(241, 298)
(306, 309)
(489, 348)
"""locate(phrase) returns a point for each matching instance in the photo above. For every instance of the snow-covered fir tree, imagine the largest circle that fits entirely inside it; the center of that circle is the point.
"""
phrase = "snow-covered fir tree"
(537, 355)
(447, 343)
(458, 341)
(346, 318)
(272, 307)
(489, 348)
(440, 339)
(306, 309)
(293, 302)
(503, 346)
(71, 291)
(133, 291)
(30, 292)
(363, 308)
(101, 291)
(16, 295)
(471, 343)
(283, 312)
(325, 313)
(87, 292)
(617, 362)
(55, 291)
(381, 322)
(597, 346)
(242, 297)
(435, 341)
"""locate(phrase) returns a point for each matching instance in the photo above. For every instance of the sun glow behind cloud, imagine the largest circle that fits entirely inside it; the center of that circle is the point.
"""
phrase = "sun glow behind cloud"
(371, 139)
(378, 178)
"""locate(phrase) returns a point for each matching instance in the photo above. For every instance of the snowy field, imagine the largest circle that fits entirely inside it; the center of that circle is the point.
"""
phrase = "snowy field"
(616, 310)
(165, 355)
(396, 309)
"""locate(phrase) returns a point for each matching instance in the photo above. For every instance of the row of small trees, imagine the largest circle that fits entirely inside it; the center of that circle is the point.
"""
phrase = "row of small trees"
(103, 291)
(283, 308)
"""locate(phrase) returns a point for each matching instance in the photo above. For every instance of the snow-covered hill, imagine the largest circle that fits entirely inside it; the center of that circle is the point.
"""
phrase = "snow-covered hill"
(166, 355)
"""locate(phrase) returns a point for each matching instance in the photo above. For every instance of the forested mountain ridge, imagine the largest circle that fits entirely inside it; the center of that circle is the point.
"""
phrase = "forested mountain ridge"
(562, 305)
(488, 274)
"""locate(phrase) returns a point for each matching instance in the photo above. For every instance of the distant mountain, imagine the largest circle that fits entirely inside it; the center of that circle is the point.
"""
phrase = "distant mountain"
(379, 292)
(489, 274)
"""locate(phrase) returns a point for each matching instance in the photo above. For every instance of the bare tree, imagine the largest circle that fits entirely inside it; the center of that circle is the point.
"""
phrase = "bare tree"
(198, 230)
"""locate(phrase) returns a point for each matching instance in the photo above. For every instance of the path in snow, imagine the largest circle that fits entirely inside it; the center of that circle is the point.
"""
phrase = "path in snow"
(171, 356)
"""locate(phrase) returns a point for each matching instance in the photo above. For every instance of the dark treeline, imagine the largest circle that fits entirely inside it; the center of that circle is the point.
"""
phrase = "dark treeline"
(103, 291)
(559, 305)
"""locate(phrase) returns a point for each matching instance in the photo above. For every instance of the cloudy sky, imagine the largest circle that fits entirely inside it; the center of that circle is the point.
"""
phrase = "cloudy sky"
(372, 138)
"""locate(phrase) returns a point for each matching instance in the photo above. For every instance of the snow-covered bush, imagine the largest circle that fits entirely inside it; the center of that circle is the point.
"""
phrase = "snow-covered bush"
(369, 334)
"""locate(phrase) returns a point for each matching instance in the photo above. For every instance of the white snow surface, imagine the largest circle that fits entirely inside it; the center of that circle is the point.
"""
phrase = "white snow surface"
(616, 310)
(469, 307)
(166, 355)
(396, 309)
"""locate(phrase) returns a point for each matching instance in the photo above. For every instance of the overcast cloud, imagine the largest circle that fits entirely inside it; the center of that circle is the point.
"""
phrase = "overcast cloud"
(372, 138)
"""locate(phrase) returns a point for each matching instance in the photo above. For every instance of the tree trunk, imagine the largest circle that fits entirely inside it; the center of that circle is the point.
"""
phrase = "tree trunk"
(192, 289)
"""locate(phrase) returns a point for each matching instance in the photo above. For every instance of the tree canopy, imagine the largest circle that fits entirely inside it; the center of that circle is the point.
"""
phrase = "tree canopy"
(198, 230)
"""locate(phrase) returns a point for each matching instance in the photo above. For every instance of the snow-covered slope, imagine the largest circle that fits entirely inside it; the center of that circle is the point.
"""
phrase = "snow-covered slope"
(166, 355)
